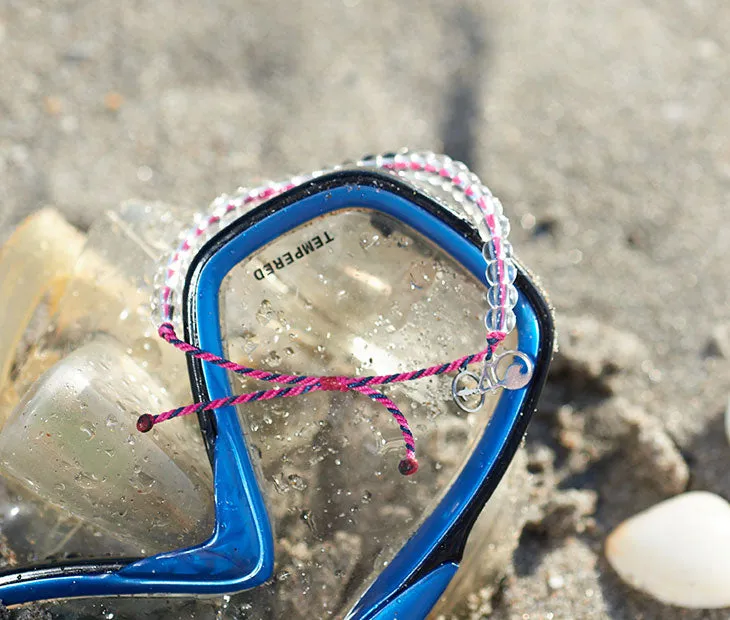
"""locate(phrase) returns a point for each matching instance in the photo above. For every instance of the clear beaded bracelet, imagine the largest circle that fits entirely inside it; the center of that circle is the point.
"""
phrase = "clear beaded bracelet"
(481, 208)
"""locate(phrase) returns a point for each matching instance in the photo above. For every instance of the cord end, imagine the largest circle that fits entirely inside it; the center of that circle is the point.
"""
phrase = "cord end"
(408, 466)
(145, 422)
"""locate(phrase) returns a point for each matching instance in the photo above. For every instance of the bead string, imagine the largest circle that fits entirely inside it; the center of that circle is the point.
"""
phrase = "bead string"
(499, 320)
(475, 198)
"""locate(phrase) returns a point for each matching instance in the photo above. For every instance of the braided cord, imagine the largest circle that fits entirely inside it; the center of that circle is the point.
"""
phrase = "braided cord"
(476, 201)
(297, 385)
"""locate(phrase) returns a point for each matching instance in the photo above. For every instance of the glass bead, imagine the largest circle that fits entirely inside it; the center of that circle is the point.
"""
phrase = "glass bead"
(418, 159)
(502, 297)
(507, 251)
(509, 273)
(510, 320)
(489, 251)
(487, 205)
(504, 225)
(457, 196)
(500, 320)
(401, 158)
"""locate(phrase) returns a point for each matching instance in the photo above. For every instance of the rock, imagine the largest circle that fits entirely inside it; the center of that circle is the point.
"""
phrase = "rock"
(568, 512)
(678, 551)
(718, 344)
(555, 581)
(727, 420)
(617, 425)
(596, 349)
(33, 612)
(655, 454)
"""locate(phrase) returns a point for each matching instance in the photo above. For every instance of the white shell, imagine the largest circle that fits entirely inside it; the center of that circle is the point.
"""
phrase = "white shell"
(677, 551)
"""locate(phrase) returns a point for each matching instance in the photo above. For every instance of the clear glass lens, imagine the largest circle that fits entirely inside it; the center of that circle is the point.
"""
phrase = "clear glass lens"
(351, 293)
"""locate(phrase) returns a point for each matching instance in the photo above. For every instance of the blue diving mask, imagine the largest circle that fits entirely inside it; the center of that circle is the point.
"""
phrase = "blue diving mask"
(341, 329)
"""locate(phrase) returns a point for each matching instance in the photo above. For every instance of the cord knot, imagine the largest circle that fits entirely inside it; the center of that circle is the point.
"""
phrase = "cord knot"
(166, 330)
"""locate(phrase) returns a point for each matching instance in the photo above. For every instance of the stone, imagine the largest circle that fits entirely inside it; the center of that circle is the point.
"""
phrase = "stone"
(567, 512)
(718, 344)
(653, 451)
(678, 551)
(596, 349)
(618, 426)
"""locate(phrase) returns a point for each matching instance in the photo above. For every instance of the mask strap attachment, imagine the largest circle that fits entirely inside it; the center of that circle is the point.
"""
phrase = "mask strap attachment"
(296, 385)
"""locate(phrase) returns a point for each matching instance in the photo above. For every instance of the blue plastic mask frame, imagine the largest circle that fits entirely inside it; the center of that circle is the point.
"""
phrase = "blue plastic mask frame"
(240, 553)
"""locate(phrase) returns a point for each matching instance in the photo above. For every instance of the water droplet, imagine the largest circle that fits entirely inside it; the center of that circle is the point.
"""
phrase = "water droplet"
(84, 481)
(297, 482)
(391, 445)
(307, 517)
(289, 351)
(273, 359)
(367, 240)
(265, 312)
(145, 479)
(421, 276)
(147, 351)
(279, 485)
(249, 342)
(89, 429)
(367, 497)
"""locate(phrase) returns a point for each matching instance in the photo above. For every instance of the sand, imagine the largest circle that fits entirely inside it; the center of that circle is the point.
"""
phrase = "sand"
(602, 126)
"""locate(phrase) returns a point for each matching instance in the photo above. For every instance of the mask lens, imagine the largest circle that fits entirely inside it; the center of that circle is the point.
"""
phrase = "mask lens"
(355, 292)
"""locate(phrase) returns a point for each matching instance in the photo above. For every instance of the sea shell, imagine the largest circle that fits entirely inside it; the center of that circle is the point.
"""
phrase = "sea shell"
(677, 551)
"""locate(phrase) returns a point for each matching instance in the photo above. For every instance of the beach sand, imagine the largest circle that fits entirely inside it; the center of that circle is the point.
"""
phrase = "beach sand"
(602, 126)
